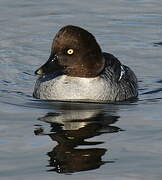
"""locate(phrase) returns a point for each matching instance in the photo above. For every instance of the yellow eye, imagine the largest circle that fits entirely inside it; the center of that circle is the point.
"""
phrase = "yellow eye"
(70, 51)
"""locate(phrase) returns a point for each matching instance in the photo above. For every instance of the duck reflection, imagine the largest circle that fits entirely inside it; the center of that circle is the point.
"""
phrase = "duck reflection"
(70, 128)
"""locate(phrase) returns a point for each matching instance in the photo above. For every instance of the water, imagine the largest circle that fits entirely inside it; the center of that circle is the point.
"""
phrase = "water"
(56, 140)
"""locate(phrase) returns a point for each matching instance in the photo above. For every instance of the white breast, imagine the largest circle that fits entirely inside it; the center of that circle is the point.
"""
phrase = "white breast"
(73, 88)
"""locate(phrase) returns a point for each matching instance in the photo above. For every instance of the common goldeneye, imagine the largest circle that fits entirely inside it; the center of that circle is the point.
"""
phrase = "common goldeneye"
(78, 70)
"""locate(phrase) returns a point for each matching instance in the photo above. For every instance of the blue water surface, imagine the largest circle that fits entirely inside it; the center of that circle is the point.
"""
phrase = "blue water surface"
(58, 140)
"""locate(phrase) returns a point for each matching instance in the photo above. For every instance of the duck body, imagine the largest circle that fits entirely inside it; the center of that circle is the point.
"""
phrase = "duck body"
(106, 80)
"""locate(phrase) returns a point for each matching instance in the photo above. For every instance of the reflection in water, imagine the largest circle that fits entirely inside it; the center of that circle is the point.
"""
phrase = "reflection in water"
(158, 44)
(70, 129)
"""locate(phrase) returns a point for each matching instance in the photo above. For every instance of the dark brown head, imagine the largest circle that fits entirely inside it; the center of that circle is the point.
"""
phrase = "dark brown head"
(75, 52)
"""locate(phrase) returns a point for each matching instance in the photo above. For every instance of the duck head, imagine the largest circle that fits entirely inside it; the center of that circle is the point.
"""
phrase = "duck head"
(75, 52)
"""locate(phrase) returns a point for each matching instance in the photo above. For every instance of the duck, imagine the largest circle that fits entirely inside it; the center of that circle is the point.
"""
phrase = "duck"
(78, 70)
